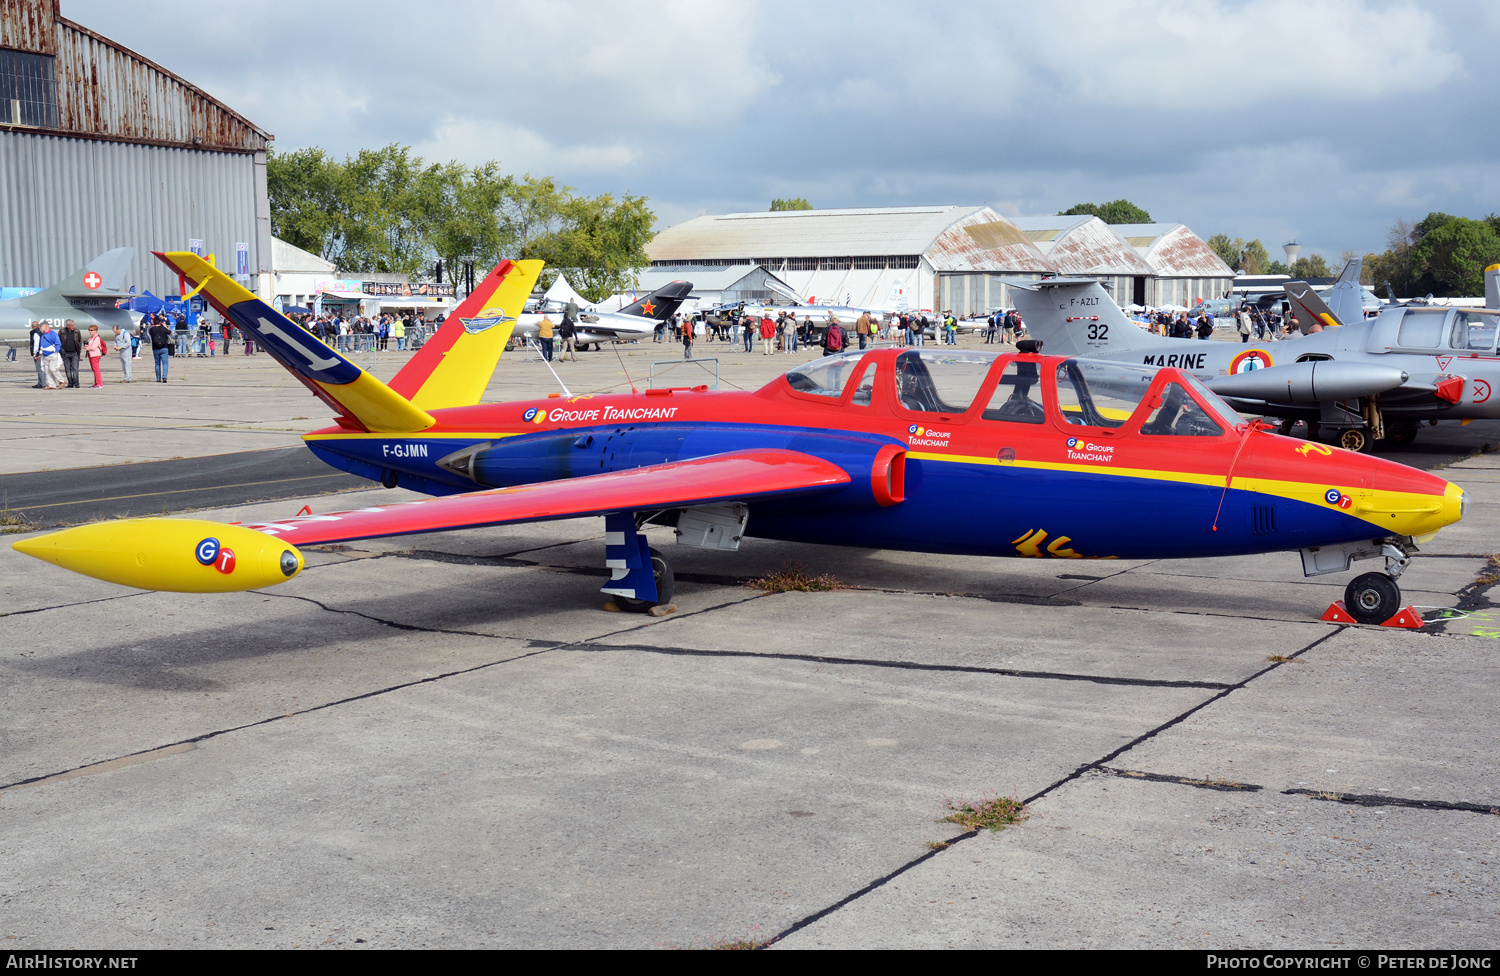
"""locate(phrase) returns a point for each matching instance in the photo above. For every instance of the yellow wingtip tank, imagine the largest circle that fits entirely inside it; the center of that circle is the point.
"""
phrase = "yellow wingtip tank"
(175, 555)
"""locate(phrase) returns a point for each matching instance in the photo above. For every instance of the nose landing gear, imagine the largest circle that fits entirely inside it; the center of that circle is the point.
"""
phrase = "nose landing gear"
(1370, 598)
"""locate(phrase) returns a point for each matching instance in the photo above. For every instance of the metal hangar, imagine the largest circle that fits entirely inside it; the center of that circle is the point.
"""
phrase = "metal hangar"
(102, 148)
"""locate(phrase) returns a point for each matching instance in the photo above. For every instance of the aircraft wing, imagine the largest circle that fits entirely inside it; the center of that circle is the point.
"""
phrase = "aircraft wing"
(735, 476)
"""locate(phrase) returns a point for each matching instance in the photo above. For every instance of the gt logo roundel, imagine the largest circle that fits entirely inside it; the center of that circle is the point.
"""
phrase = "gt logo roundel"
(207, 551)
(1248, 360)
(1072, 442)
(1335, 497)
(913, 429)
(529, 415)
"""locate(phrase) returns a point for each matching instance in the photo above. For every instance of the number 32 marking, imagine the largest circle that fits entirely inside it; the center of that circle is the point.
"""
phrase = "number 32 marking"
(1098, 331)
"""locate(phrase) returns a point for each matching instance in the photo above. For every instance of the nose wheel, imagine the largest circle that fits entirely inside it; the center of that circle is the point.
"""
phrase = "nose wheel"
(1372, 598)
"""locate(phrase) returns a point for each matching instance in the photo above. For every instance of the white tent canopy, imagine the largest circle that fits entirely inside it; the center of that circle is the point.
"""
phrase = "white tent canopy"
(563, 293)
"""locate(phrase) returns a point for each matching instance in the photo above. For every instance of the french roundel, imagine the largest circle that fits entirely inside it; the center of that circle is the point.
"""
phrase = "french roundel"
(1248, 360)
(207, 551)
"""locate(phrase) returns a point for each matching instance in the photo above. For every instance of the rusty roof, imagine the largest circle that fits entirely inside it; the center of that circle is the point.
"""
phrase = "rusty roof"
(951, 238)
(1173, 251)
(1080, 244)
(107, 91)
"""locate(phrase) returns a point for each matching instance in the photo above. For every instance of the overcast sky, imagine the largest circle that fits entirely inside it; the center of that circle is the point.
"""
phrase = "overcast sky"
(1317, 120)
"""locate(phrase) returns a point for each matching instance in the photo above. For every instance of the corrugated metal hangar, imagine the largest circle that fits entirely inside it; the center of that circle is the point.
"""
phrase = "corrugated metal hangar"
(939, 257)
(101, 148)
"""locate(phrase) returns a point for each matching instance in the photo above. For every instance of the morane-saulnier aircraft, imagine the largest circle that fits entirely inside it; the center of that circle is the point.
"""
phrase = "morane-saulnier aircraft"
(1365, 380)
(923, 450)
(87, 296)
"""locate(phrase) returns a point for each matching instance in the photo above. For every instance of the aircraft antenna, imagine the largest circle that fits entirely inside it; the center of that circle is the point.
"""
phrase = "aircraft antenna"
(1250, 428)
(623, 369)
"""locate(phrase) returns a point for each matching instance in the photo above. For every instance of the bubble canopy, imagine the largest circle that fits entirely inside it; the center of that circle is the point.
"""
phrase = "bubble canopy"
(1086, 392)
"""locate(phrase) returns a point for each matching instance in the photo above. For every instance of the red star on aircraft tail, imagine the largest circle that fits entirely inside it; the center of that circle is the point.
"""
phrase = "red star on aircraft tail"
(648, 309)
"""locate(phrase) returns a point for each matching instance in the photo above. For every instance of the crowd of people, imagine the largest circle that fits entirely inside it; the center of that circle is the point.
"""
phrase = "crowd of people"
(1248, 321)
(362, 333)
(59, 354)
(784, 332)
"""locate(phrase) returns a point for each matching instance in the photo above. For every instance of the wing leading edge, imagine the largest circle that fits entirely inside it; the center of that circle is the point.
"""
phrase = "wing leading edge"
(735, 476)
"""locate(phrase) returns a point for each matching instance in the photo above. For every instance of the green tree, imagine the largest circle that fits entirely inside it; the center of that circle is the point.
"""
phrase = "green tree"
(795, 203)
(472, 224)
(600, 242)
(1254, 259)
(1453, 255)
(1227, 250)
(387, 210)
(1114, 212)
(304, 191)
(1312, 266)
(1250, 258)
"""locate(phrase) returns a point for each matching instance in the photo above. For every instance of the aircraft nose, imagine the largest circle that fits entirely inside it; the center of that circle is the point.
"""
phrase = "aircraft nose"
(1405, 501)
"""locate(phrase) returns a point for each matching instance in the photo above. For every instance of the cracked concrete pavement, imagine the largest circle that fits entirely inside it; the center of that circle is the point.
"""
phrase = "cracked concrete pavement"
(443, 741)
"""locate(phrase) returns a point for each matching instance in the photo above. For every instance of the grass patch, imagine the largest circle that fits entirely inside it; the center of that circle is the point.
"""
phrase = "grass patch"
(750, 940)
(15, 522)
(986, 812)
(938, 845)
(1283, 659)
(794, 578)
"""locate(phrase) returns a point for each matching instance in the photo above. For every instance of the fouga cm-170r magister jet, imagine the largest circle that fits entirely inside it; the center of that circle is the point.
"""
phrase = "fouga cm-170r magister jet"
(922, 450)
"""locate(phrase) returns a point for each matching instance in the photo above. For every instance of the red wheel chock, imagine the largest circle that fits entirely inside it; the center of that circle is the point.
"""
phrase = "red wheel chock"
(1407, 619)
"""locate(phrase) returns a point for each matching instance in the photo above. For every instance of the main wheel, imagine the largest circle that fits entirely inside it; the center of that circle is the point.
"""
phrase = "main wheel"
(1372, 598)
(1400, 436)
(666, 585)
(1355, 439)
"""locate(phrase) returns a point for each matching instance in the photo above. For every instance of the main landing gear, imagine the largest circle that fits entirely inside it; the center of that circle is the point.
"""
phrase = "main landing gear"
(1370, 598)
(641, 578)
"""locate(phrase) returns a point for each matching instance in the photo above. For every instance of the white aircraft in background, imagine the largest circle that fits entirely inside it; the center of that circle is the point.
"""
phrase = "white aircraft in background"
(630, 324)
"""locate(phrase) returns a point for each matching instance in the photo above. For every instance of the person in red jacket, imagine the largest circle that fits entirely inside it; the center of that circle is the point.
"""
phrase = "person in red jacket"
(767, 333)
(94, 347)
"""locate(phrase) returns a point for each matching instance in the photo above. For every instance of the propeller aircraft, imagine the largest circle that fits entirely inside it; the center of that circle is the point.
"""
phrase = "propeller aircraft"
(1367, 380)
(919, 449)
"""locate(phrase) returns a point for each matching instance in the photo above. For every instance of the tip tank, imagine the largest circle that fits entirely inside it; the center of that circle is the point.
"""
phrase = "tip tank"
(177, 555)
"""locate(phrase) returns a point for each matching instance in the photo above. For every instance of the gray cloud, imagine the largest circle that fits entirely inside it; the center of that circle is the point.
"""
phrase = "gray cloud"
(1323, 119)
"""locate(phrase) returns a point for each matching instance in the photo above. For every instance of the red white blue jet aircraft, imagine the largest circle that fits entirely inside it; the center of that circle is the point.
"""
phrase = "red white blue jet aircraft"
(924, 450)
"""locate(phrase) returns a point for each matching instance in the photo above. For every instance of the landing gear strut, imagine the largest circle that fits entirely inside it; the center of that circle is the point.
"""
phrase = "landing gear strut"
(1370, 598)
(641, 578)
